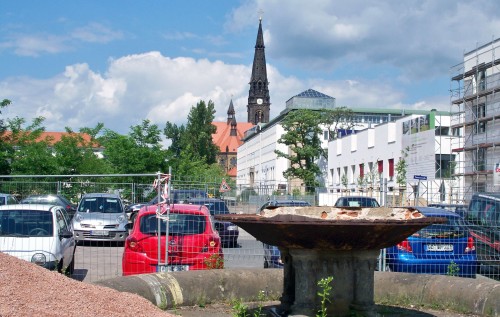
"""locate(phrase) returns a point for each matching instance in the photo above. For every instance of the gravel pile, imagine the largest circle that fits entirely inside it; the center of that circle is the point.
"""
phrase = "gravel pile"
(29, 290)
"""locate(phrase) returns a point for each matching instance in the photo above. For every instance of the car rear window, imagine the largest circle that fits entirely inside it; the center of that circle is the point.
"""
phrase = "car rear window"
(357, 202)
(26, 223)
(454, 228)
(178, 224)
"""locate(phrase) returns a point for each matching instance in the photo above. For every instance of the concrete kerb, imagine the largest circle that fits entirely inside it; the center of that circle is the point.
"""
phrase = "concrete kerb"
(169, 290)
(176, 289)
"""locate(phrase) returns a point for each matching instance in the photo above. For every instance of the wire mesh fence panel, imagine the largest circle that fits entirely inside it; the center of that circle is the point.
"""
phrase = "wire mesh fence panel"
(222, 244)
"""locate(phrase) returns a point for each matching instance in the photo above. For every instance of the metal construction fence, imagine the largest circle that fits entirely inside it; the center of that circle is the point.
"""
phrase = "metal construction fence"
(478, 252)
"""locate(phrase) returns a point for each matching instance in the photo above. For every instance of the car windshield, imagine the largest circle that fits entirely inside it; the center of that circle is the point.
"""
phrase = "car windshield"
(452, 229)
(100, 204)
(26, 223)
(2, 200)
(178, 224)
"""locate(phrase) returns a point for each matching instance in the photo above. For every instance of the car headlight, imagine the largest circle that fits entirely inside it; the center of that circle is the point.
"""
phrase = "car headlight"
(78, 217)
(233, 227)
(38, 258)
(121, 219)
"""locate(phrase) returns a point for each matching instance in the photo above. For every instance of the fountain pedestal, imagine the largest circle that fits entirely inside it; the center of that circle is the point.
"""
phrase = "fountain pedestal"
(314, 248)
(353, 280)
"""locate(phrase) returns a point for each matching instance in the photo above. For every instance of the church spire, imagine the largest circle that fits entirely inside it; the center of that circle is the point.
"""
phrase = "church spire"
(230, 112)
(258, 107)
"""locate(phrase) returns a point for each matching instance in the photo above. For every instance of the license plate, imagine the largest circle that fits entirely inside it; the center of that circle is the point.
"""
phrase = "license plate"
(439, 247)
(99, 233)
(172, 268)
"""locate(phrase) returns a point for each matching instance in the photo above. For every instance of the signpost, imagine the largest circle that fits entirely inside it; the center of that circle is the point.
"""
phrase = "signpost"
(420, 177)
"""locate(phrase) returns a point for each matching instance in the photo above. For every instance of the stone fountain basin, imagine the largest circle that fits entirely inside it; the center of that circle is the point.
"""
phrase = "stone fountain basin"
(295, 231)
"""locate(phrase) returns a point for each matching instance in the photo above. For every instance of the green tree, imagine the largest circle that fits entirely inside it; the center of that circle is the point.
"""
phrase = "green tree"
(33, 155)
(6, 149)
(401, 168)
(193, 142)
(302, 131)
(138, 152)
(199, 130)
(337, 119)
(75, 155)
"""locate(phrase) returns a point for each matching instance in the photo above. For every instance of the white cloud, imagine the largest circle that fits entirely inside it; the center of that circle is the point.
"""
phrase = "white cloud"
(155, 87)
(96, 33)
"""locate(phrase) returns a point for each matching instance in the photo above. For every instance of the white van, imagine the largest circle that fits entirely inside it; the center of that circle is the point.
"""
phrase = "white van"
(40, 234)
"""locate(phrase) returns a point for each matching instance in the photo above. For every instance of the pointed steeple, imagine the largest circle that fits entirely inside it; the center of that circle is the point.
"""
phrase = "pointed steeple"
(230, 112)
(258, 107)
(234, 126)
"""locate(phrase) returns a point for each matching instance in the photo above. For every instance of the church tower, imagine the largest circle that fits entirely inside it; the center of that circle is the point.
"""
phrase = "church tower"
(258, 107)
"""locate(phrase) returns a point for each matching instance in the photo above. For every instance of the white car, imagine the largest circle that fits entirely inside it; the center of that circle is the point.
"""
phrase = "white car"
(41, 234)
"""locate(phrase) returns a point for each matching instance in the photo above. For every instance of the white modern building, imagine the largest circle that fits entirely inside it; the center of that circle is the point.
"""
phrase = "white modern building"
(367, 162)
(260, 168)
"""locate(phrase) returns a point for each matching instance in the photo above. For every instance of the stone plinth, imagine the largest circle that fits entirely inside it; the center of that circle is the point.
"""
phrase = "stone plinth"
(321, 242)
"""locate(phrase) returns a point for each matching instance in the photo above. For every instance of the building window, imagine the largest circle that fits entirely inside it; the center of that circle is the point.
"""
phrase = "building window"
(380, 167)
(479, 112)
(391, 169)
(479, 159)
(445, 165)
(361, 170)
(457, 132)
(325, 135)
(442, 131)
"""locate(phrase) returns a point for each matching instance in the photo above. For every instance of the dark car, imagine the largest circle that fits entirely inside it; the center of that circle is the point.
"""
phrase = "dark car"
(446, 248)
(228, 231)
(272, 255)
(51, 199)
(177, 196)
(483, 220)
(357, 201)
(458, 208)
(8, 199)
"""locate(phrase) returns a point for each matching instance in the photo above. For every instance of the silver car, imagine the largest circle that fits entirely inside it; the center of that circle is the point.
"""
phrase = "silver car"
(100, 217)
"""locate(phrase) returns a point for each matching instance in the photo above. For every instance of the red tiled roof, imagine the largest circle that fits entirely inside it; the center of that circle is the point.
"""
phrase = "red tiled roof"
(222, 137)
(232, 172)
(54, 137)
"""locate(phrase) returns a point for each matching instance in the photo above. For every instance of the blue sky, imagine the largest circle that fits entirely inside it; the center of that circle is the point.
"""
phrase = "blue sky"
(78, 63)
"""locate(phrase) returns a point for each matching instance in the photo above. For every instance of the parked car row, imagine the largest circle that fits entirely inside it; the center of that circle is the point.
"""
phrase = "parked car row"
(42, 232)
(468, 243)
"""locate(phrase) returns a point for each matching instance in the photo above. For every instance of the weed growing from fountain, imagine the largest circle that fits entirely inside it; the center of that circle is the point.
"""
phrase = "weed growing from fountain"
(324, 294)
(453, 269)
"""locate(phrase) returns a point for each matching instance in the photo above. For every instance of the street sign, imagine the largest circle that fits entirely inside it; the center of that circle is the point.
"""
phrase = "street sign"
(224, 187)
(420, 177)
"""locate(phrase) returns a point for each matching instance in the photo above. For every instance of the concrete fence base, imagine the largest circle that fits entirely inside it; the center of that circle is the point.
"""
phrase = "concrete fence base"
(169, 290)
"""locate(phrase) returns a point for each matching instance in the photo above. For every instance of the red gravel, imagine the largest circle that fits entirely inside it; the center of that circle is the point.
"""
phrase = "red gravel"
(29, 290)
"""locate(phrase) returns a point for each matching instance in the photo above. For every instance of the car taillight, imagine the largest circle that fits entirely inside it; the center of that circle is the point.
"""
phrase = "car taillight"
(405, 246)
(470, 245)
(132, 244)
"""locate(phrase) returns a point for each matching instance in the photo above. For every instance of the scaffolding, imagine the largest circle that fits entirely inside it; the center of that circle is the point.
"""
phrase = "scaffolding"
(475, 108)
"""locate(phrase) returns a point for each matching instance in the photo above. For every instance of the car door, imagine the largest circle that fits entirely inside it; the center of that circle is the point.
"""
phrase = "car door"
(67, 244)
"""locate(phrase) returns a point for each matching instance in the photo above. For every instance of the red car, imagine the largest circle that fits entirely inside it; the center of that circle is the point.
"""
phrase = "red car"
(193, 243)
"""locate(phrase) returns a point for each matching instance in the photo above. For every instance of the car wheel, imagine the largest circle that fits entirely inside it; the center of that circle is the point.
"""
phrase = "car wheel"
(71, 268)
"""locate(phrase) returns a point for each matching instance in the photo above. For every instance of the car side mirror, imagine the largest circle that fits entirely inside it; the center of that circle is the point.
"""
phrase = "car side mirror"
(66, 234)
